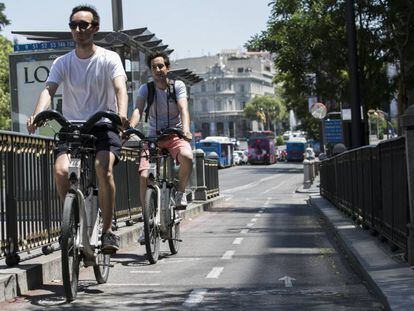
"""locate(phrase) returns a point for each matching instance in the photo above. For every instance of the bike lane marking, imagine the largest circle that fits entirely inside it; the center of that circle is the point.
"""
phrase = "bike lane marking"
(195, 297)
(215, 273)
(228, 255)
(238, 241)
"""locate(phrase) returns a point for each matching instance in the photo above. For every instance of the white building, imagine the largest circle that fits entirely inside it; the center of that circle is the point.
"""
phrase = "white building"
(230, 80)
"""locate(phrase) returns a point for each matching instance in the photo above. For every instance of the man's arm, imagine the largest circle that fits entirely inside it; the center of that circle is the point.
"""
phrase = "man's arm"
(185, 117)
(43, 102)
(137, 113)
(121, 98)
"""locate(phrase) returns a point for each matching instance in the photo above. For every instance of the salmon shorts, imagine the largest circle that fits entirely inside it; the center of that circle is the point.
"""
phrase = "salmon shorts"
(175, 145)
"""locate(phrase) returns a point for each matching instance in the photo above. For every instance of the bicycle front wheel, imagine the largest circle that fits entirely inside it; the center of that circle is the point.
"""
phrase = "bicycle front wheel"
(152, 240)
(174, 241)
(101, 269)
(70, 252)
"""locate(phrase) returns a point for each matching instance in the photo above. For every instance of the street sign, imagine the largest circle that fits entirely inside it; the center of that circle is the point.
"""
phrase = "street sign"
(50, 45)
(333, 131)
(318, 110)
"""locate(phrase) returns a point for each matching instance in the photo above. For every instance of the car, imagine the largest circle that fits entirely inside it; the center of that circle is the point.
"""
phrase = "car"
(236, 158)
(243, 157)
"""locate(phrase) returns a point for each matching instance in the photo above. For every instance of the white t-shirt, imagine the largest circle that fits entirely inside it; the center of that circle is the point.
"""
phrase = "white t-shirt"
(87, 83)
(163, 114)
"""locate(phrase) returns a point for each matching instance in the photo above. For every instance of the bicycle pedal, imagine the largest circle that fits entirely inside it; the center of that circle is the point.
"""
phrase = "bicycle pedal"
(179, 240)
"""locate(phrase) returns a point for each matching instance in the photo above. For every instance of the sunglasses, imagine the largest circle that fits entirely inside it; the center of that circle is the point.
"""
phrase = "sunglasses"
(82, 25)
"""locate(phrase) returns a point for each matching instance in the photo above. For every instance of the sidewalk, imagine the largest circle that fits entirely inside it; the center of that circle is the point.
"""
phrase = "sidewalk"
(390, 277)
(32, 273)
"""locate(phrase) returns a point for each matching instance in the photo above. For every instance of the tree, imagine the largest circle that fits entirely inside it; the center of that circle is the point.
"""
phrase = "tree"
(308, 39)
(5, 50)
(265, 109)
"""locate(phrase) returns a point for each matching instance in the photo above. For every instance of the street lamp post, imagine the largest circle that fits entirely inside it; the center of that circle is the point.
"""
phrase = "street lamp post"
(353, 75)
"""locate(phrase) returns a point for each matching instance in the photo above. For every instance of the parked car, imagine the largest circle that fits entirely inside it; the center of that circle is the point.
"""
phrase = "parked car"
(243, 157)
(236, 158)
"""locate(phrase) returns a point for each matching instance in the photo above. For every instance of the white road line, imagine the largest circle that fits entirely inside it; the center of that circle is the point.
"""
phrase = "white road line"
(250, 224)
(131, 284)
(253, 220)
(215, 273)
(274, 188)
(257, 215)
(250, 185)
(228, 255)
(244, 231)
(196, 296)
(261, 211)
(144, 272)
(237, 240)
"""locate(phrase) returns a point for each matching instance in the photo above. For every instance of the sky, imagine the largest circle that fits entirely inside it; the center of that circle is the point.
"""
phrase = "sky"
(191, 27)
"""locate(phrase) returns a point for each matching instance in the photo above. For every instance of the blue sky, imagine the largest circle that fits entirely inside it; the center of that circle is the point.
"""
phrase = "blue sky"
(190, 27)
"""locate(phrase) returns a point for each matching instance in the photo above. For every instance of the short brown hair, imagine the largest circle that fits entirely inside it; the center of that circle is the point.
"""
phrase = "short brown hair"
(156, 54)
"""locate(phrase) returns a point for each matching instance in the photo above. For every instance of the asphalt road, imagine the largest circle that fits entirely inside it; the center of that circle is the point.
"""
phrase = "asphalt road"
(261, 248)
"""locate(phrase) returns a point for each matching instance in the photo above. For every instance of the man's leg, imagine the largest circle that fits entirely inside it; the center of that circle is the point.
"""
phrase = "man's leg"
(185, 158)
(104, 164)
(61, 175)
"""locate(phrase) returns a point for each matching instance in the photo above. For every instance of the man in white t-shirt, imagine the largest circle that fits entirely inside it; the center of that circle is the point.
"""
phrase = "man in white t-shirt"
(166, 112)
(94, 80)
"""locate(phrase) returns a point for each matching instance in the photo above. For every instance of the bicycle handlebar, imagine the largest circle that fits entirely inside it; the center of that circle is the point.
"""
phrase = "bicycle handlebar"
(46, 115)
(132, 131)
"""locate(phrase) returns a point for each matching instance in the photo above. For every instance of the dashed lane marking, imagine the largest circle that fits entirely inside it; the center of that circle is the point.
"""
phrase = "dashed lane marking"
(145, 272)
(215, 273)
(238, 241)
(195, 297)
(228, 255)
(250, 224)
(253, 220)
(244, 231)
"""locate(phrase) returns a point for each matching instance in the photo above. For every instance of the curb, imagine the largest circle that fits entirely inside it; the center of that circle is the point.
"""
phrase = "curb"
(391, 280)
(33, 273)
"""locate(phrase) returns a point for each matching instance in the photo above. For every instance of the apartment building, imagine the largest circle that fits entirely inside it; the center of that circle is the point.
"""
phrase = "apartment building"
(230, 80)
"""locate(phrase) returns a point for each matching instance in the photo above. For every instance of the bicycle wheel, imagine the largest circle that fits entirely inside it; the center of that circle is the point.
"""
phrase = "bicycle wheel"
(174, 242)
(152, 240)
(70, 253)
(101, 269)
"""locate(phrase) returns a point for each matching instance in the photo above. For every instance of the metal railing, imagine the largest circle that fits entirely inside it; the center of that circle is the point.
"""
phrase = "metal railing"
(371, 185)
(30, 210)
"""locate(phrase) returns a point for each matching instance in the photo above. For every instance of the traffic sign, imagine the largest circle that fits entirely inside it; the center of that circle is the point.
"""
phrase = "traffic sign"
(333, 131)
(318, 110)
(49, 45)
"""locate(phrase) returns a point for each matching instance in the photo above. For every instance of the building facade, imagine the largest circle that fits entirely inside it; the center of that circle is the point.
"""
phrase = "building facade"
(230, 80)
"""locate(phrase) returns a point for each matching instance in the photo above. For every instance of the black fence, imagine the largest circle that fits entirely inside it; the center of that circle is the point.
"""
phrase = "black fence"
(371, 185)
(30, 210)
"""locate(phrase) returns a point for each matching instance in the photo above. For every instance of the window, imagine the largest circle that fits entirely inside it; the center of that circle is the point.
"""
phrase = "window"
(230, 105)
(204, 107)
(267, 68)
(203, 87)
(218, 87)
(230, 85)
(240, 69)
(219, 105)
(241, 87)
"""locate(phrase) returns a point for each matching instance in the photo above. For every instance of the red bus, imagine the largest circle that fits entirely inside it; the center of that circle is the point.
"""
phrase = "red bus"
(261, 146)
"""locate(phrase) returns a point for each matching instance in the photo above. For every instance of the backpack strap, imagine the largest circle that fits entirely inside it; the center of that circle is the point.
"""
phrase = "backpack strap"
(171, 94)
(150, 98)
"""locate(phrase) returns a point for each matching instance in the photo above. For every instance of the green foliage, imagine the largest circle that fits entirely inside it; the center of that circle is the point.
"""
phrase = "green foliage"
(265, 109)
(5, 50)
(280, 141)
(309, 41)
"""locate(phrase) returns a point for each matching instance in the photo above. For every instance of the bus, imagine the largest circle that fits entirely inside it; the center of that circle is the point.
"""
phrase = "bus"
(220, 145)
(295, 149)
(261, 146)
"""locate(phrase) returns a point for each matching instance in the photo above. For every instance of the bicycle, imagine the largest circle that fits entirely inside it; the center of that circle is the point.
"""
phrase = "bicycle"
(82, 218)
(161, 220)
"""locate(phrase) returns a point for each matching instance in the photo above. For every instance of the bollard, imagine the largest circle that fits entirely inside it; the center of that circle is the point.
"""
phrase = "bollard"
(307, 178)
(200, 189)
(408, 126)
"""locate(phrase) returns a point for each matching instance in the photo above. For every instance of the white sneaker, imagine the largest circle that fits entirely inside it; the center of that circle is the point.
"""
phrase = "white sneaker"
(180, 200)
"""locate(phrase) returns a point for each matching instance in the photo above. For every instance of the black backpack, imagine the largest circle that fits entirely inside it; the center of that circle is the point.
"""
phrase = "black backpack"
(151, 94)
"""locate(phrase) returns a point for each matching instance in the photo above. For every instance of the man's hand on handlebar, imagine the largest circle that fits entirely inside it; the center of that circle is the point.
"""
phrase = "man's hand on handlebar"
(188, 136)
(31, 127)
(124, 122)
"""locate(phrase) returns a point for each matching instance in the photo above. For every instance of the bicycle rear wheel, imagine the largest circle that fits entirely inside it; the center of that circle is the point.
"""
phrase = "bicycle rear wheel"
(152, 239)
(101, 270)
(70, 253)
(174, 242)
